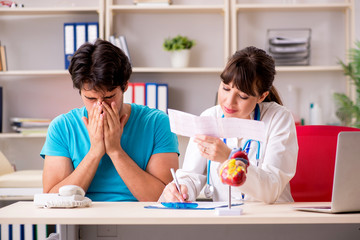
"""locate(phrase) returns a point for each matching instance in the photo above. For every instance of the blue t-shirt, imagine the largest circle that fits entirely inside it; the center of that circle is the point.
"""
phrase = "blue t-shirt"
(146, 132)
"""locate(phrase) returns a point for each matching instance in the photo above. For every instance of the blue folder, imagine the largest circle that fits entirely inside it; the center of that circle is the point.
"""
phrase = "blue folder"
(69, 42)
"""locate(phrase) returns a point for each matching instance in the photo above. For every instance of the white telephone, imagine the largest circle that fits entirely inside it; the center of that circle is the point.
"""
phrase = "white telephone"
(69, 190)
(69, 196)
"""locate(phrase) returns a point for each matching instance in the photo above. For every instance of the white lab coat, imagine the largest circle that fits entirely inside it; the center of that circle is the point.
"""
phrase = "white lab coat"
(269, 181)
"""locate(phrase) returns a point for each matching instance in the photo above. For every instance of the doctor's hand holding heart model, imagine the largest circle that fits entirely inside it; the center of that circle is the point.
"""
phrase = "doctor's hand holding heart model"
(246, 91)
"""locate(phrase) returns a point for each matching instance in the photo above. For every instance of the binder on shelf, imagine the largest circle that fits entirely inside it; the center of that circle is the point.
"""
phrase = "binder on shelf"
(112, 40)
(124, 46)
(76, 34)
(27, 231)
(92, 32)
(128, 95)
(80, 34)
(3, 60)
(139, 93)
(0, 58)
(151, 95)
(162, 99)
(1, 108)
(121, 43)
(69, 42)
(115, 41)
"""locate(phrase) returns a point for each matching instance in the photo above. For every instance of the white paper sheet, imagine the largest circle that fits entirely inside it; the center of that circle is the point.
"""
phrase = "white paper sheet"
(189, 125)
(201, 205)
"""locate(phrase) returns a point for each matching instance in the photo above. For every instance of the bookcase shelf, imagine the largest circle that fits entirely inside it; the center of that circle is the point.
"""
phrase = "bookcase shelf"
(35, 73)
(45, 11)
(123, 17)
(20, 135)
(169, 9)
(308, 68)
(29, 73)
(114, 9)
(294, 6)
(59, 11)
(230, 45)
(176, 70)
(135, 70)
(346, 8)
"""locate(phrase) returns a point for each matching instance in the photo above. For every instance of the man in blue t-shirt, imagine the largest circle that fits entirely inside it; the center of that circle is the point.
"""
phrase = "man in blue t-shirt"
(114, 151)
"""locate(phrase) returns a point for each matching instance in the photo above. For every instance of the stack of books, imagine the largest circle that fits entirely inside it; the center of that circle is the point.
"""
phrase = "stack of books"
(30, 125)
(3, 60)
(289, 49)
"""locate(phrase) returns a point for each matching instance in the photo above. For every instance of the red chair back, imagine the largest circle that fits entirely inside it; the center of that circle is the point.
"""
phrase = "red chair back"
(316, 161)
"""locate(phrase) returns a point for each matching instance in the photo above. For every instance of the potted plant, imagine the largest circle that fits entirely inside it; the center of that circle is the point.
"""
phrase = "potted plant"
(179, 47)
(348, 110)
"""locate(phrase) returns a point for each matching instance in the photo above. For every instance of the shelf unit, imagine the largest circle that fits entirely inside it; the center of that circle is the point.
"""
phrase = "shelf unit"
(20, 135)
(24, 35)
(347, 7)
(51, 11)
(226, 11)
(175, 70)
(230, 11)
(47, 11)
(113, 9)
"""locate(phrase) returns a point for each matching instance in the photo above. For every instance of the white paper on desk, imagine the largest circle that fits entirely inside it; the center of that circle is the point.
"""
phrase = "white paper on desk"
(201, 206)
(189, 125)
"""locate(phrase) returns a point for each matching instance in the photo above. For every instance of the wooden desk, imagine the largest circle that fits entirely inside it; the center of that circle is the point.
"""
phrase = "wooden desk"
(134, 214)
(130, 213)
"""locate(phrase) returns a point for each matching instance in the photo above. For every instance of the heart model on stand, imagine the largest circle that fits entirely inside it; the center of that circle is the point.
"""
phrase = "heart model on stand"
(233, 173)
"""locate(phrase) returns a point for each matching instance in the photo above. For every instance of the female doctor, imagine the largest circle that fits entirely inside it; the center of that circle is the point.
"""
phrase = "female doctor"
(247, 92)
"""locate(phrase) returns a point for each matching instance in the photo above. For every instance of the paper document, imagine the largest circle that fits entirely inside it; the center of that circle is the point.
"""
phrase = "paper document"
(200, 206)
(189, 125)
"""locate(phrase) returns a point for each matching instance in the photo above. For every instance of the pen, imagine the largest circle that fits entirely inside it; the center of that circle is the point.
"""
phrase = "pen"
(176, 181)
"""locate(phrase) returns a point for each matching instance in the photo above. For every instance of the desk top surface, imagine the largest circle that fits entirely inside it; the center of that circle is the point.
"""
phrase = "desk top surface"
(134, 213)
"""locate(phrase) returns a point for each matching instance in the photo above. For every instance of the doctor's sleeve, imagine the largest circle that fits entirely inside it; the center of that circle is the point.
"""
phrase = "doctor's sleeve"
(193, 171)
(267, 182)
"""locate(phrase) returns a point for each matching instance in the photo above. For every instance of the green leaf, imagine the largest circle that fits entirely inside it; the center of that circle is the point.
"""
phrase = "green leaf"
(178, 43)
(347, 110)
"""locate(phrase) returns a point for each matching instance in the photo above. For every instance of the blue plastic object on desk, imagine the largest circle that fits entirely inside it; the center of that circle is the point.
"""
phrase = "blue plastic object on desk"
(179, 205)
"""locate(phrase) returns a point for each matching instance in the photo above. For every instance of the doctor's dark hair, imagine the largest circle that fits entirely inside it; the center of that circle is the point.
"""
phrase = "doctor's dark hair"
(101, 65)
(252, 71)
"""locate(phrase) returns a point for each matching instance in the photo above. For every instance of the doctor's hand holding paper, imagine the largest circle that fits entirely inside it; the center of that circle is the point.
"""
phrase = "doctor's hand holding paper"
(212, 148)
(246, 92)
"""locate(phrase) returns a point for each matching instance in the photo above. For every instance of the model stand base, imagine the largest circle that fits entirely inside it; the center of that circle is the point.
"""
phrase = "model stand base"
(228, 211)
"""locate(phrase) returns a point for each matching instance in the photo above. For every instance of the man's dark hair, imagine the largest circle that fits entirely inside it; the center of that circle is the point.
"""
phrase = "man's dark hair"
(101, 65)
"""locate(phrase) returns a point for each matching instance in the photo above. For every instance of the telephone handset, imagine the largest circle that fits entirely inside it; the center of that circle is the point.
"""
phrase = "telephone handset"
(69, 196)
(69, 190)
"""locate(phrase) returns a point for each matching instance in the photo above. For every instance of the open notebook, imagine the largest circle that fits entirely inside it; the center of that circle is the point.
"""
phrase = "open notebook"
(346, 190)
